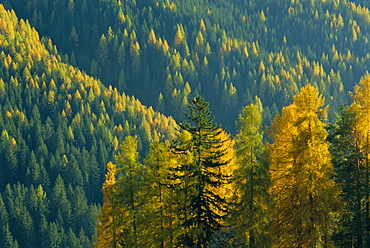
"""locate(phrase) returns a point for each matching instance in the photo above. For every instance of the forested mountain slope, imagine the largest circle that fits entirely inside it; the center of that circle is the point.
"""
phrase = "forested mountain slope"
(60, 125)
(228, 51)
(59, 128)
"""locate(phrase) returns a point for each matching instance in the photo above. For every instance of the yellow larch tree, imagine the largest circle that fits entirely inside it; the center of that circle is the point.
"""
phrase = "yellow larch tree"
(179, 36)
(121, 221)
(250, 214)
(107, 231)
(361, 109)
(304, 193)
(129, 195)
(161, 214)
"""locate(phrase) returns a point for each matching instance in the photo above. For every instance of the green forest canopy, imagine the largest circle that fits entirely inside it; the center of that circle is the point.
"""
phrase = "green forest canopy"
(60, 125)
(164, 52)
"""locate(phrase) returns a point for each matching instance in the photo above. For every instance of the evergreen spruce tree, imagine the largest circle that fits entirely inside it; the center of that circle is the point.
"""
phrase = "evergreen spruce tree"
(350, 174)
(6, 237)
(201, 176)
(10, 242)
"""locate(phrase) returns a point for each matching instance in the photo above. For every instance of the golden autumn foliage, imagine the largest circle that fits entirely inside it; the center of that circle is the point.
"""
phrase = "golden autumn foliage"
(33, 74)
(361, 106)
(179, 36)
(361, 131)
(107, 228)
(64, 123)
(304, 194)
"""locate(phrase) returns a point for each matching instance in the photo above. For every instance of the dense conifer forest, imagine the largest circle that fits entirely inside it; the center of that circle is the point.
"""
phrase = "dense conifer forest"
(184, 123)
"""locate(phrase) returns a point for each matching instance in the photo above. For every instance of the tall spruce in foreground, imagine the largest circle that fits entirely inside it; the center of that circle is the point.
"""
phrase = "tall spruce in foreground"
(199, 180)
(304, 192)
(350, 174)
(250, 214)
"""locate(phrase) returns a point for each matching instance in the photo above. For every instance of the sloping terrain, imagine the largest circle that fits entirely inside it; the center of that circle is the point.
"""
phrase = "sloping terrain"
(164, 52)
(67, 99)
(59, 127)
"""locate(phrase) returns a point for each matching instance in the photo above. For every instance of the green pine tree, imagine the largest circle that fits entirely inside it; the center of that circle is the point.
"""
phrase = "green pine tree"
(346, 158)
(201, 176)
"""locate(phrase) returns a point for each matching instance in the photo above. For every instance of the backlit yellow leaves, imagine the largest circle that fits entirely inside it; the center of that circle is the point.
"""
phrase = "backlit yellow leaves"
(107, 231)
(110, 176)
(179, 36)
(302, 188)
(361, 106)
